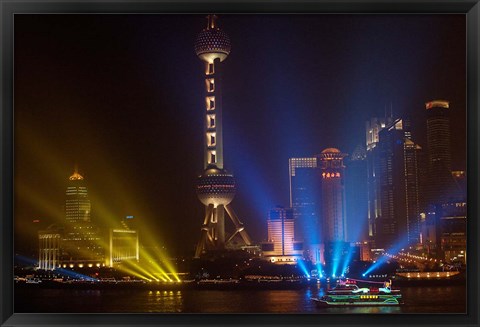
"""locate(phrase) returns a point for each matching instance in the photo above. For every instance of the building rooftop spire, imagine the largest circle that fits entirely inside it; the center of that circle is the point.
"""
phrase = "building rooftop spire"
(76, 176)
(211, 21)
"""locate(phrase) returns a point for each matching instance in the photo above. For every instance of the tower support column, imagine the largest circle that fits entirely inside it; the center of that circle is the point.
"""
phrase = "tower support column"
(220, 227)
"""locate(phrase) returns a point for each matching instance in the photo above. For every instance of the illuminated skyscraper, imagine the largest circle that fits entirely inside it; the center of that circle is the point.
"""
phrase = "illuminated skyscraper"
(373, 128)
(77, 203)
(81, 243)
(215, 187)
(304, 197)
(440, 185)
(333, 195)
(398, 175)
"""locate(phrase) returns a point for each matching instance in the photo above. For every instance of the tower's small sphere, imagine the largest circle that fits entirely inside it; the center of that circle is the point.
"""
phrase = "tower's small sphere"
(216, 186)
(211, 44)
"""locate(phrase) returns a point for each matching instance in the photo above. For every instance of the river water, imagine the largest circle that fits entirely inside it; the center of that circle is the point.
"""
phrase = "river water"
(421, 299)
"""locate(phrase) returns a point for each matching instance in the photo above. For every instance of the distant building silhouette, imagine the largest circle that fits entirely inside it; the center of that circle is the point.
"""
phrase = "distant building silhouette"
(397, 172)
(440, 184)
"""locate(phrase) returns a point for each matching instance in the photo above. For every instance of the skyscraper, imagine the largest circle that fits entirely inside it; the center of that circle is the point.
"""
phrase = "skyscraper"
(215, 187)
(317, 196)
(77, 203)
(440, 181)
(373, 128)
(333, 195)
(399, 186)
(305, 197)
(81, 243)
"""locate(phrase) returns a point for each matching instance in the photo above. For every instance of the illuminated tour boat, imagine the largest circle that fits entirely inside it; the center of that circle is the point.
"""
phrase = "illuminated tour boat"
(348, 293)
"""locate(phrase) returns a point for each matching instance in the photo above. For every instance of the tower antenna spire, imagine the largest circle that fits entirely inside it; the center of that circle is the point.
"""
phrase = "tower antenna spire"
(211, 20)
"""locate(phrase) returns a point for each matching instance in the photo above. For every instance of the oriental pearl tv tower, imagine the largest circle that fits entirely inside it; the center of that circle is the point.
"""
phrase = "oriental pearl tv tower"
(215, 187)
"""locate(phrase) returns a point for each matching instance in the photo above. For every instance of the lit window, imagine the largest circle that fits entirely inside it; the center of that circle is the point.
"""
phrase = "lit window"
(211, 139)
(210, 103)
(210, 69)
(211, 121)
(210, 83)
(212, 158)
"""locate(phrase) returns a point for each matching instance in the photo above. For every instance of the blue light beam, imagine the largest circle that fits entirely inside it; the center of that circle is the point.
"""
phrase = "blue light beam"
(380, 261)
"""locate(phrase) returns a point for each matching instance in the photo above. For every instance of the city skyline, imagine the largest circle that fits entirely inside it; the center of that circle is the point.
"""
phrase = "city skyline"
(137, 168)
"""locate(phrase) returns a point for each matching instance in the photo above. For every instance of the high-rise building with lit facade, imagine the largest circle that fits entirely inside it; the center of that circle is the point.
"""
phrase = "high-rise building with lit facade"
(372, 130)
(281, 246)
(333, 208)
(82, 242)
(305, 197)
(398, 176)
(440, 184)
(444, 225)
(317, 197)
(215, 187)
(77, 203)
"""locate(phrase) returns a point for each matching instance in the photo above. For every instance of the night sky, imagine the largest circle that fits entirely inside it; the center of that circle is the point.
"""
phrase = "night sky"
(122, 97)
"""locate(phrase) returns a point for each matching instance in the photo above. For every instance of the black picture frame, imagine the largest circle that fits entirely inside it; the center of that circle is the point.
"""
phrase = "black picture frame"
(9, 8)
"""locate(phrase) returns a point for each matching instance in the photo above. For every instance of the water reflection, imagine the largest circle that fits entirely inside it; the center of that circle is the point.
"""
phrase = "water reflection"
(164, 301)
(438, 299)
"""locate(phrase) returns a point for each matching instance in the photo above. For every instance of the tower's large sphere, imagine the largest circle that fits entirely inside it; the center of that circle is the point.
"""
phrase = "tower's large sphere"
(216, 186)
(211, 44)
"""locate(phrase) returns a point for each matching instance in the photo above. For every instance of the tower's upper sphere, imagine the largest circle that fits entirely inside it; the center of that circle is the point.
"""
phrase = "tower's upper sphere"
(216, 187)
(212, 42)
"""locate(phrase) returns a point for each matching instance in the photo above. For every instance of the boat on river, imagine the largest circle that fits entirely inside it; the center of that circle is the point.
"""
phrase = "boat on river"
(348, 293)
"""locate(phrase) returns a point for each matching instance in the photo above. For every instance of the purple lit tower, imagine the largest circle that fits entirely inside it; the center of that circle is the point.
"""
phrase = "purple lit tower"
(215, 187)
